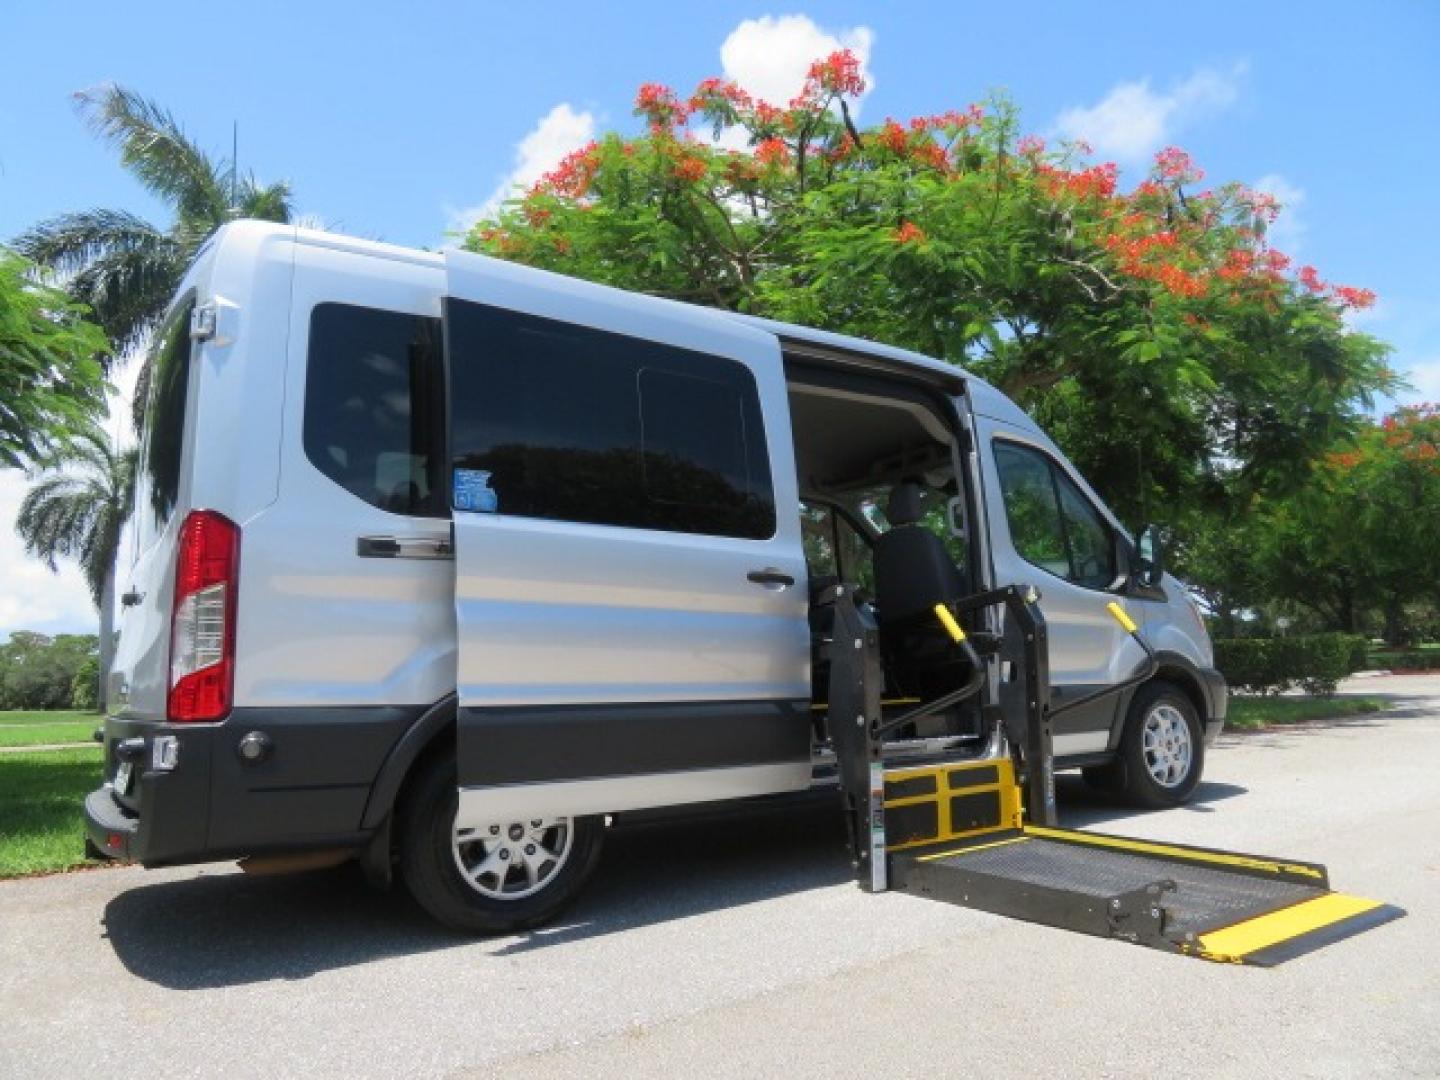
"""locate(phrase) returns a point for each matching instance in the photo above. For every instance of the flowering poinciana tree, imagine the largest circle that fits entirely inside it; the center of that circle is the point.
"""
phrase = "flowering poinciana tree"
(1174, 352)
(1362, 533)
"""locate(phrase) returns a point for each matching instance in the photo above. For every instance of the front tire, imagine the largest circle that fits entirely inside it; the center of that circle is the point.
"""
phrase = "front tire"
(1162, 752)
(495, 879)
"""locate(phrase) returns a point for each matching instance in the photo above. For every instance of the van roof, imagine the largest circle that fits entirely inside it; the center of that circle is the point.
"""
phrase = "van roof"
(984, 398)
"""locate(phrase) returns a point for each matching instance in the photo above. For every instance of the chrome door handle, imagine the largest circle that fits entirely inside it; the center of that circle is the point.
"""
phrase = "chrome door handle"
(404, 547)
(771, 576)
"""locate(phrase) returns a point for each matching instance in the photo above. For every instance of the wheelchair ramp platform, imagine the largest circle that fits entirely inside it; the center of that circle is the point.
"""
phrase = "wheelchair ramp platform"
(1216, 905)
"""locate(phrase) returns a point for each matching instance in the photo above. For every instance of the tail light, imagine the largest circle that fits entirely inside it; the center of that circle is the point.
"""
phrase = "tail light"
(202, 628)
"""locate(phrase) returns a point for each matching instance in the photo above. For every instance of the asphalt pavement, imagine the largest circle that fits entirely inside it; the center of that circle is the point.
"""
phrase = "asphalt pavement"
(735, 944)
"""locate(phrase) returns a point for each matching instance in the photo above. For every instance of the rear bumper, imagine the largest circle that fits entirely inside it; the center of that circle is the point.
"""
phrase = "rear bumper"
(110, 827)
(309, 790)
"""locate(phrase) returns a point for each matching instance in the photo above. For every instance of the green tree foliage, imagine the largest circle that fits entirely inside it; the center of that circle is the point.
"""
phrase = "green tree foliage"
(51, 385)
(85, 686)
(1361, 534)
(1176, 355)
(123, 268)
(39, 672)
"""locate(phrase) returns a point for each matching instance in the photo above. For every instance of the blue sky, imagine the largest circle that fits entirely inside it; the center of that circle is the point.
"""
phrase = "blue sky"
(396, 122)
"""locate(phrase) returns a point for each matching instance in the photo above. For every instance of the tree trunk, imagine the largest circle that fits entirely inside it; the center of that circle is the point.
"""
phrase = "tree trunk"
(107, 637)
(1394, 633)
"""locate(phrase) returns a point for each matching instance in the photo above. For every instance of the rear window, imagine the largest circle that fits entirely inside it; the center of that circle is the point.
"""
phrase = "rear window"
(565, 422)
(374, 406)
(165, 416)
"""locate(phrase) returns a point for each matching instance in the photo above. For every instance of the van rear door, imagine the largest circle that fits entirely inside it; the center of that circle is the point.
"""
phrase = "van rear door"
(630, 587)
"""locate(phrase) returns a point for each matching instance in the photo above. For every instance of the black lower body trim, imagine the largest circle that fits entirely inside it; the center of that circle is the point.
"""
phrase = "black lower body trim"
(530, 744)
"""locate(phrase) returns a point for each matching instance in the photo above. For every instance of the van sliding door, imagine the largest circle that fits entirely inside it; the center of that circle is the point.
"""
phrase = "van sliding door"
(630, 586)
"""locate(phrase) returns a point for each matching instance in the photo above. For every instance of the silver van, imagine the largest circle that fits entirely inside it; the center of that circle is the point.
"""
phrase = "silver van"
(441, 562)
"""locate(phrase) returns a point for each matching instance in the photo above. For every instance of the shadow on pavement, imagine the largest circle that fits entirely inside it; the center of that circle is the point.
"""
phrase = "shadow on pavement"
(1082, 806)
(228, 929)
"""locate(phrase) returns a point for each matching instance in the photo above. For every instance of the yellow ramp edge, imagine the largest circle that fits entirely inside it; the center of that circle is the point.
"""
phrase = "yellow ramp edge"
(1245, 941)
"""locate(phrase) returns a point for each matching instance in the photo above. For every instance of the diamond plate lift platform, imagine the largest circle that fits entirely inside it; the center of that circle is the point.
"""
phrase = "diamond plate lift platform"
(981, 832)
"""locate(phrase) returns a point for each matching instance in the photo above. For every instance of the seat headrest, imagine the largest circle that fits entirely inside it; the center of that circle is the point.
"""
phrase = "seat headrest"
(904, 505)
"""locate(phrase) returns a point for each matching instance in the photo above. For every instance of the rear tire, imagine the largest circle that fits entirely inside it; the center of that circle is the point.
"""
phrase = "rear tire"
(1162, 752)
(505, 877)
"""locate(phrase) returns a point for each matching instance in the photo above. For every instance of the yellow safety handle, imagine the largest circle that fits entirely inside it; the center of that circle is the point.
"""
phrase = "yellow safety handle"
(1122, 618)
(947, 620)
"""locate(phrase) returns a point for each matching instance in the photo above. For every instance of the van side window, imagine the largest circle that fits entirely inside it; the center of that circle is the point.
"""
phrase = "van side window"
(1052, 524)
(374, 406)
(574, 424)
(165, 419)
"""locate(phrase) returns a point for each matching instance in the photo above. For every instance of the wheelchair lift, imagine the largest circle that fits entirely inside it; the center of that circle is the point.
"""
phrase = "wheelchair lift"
(981, 832)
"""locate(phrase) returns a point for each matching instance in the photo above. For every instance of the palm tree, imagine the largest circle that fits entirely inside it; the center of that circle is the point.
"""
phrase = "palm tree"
(123, 268)
(77, 510)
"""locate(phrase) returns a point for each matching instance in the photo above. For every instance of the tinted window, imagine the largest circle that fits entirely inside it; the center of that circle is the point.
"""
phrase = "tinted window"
(1052, 524)
(573, 424)
(165, 417)
(373, 406)
(1092, 548)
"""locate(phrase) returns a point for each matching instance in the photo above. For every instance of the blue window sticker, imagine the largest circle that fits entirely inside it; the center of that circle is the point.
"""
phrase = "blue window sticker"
(473, 491)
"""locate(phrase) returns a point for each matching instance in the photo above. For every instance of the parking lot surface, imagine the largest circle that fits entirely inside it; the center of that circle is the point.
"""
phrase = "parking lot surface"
(735, 944)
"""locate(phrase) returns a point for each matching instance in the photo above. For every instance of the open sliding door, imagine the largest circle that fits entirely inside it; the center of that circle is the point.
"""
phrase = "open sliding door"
(630, 586)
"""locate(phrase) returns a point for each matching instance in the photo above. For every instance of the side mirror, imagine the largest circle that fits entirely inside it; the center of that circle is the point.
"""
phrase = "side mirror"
(1149, 556)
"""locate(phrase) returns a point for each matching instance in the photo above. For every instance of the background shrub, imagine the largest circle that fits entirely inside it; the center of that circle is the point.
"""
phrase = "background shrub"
(1314, 662)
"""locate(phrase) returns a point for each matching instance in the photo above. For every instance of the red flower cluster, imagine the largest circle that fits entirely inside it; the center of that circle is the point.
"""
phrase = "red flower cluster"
(838, 73)
(712, 91)
(909, 233)
(1351, 297)
(1030, 146)
(1175, 165)
(892, 136)
(1143, 257)
(572, 178)
(952, 121)
(772, 151)
(1096, 182)
(661, 106)
(689, 168)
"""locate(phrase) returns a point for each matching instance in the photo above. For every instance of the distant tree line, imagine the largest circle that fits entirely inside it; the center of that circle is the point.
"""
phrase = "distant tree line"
(38, 671)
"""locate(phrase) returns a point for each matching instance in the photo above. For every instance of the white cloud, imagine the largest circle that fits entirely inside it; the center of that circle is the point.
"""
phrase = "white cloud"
(1288, 230)
(31, 597)
(560, 131)
(771, 55)
(1133, 121)
(1424, 376)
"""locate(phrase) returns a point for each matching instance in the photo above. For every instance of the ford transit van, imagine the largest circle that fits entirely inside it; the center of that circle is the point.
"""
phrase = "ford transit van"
(441, 562)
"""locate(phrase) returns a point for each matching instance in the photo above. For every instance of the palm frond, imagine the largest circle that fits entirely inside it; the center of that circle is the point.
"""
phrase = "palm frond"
(69, 242)
(157, 152)
(127, 291)
(272, 202)
(78, 510)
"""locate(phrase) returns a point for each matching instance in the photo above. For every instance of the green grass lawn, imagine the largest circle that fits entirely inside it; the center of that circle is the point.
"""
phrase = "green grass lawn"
(38, 728)
(1259, 712)
(1384, 657)
(40, 796)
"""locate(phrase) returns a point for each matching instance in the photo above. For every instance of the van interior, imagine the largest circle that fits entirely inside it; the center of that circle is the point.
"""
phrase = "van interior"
(882, 513)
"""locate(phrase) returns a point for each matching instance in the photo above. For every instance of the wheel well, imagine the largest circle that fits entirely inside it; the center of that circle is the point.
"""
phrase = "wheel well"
(429, 734)
(1185, 682)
